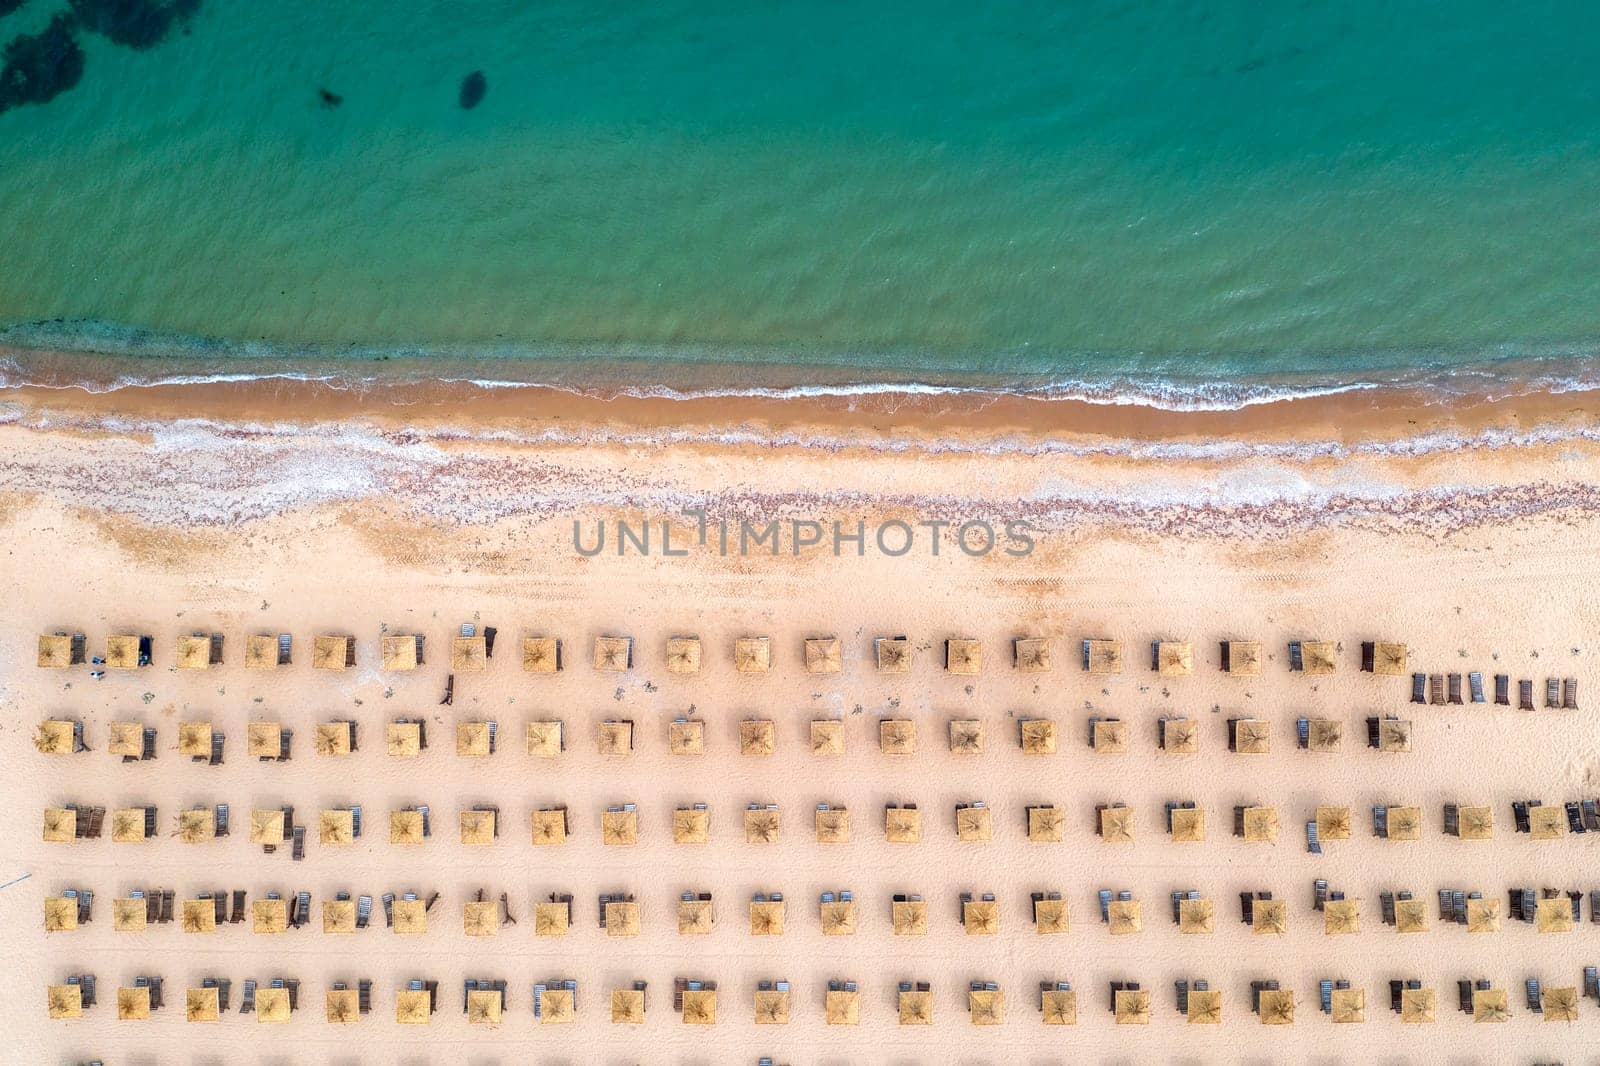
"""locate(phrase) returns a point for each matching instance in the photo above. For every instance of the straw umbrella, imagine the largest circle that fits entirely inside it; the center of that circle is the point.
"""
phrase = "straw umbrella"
(469, 655)
(1116, 825)
(266, 827)
(342, 1006)
(1105, 656)
(197, 826)
(1417, 1006)
(485, 1007)
(1475, 823)
(902, 825)
(752, 655)
(330, 652)
(1050, 916)
(264, 740)
(1325, 735)
(477, 827)
(269, 916)
(1277, 1006)
(695, 917)
(60, 825)
(53, 737)
(622, 918)
(1244, 657)
(1110, 737)
(1410, 916)
(893, 655)
(402, 740)
(559, 1007)
(1349, 1006)
(827, 736)
(1260, 825)
(472, 739)
(60, 914)
(64, 1001)
(410, 917)
(1124, 917)
(1319, 656)
(480, 917)
(1545, 822)
(1059, 1006)
(1181, 736)
(1561, 1004)
(1174, 658)
(757, 736)
(687, 737)
(1032, 654)
(1394, 735)
(272, 1005)
(333, 738)
(1489, 1005)
(838, 918)
(1252, 737)
(133, 1004)
(690, 826)
(613, 654)
(1553, 915)
(842, 1007)
(966, 736)
(823, 655)
(1389, 658)
(553, 918)
(761, 826)
(897, 736)
(619, 828)
(1196, 916)
(909, 917)
(1188, 825)
(963, 656)
(986, 1006)
(1045, 825)
(1205, 1006)
(127, 825)
(405, 828)
(122, 651)
(544, 739)
(915, 1007)
(766, 917)
(1269, 917)
(127, 739)
(627, 1006)
(1132, 1006)
(194, 739)
(975, 825)
(202, 1004)
(700, 1006)
(541, 655)
(683, 655)
(338, 916)
(1405, 823)
(260, 652)
(616, 738)
(1340, 917)
(412, 1006)
(1483, 915)
(1038, 736)
(55, 651)
(1333, 823)
(833, 826)
(194, 653)
(336, 828)
(980, 917)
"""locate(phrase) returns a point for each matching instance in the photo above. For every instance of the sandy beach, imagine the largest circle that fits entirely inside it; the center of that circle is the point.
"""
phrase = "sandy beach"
(1462, 532)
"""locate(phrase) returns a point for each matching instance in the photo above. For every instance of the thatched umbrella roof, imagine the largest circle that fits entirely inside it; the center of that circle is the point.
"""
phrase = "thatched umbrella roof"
(469, 655)
(1252, 736)
(399, 652)
(757, 736)
(1269, 917)
(53, 737)
(619, 828)
(1410, 916)
(627, 1006)
(771, 1007)
(1475, 823)
(1545, 822)
(544, 739)
(893, 655)
(202, 1004)
(1325, 734)
(55, 651)
(1333, 823)
(897, 736)
(194, 653)
(127, 739)
(402, 740)
(122, 651)
(975, 825)
(823, 655)
(1032, 654)
(1205, 1006)
(1389, 658)
(195, 827)
(133, 1004)
(827, 736)
(552, 918)
(1277, 1006)
(1394, 734)
(330, 651)
(1039, 736)
(338, 916)
(480, 917)
(966, 736)
(837, 918)
(269, 916)
(1244, 658)
(1124, 917)
(266, 826)
(129, 915)
(194, 739)
(1340, 917)
(260, 652)
(1110, 737)
(127, 825)
(761, 826)
(1132, 1006)
(342, 1006)
(410, 917)
(691, 826)
(1045, 825)
(1417, 1006)
(413, 1006)
(1553, 915)
(687, 737)
(1116, 825)
(1260, 825)
(1105, 656)
(1490, 1005)
(1059, 1006)
(902, 825)
(264, 740)
(766, 917)
(1319, 656)
(683, 655)
(272, 1005)
(1196, 916)
(842, 1007)
(1349, 1006)
(915, 1007)
(472, 739)
(336, 827)
(333, 738)
(963, 656)
(60, 825)
(833, 826)
(622, 918)
(1181, 736)
(1405, 823)
(549, 827)
(1483, 915)
(700, 1006)
(613, 654)
(1189, 825)
(540, 655)
(615, 738)
(64, 1001)
(1561, 1004)
(909, 917)
(1174, 658)
(1050, 916)
(558, 1007)
(477, 827)
(695, 917)
(986, 1006)
(60, 914)
(980, 917)
(752, 655)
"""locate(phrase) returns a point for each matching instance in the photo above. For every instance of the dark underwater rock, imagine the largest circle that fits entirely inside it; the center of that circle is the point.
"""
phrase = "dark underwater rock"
(41, 66)
(8, 6)
(329, 99)
(138, 24)
(473, 86)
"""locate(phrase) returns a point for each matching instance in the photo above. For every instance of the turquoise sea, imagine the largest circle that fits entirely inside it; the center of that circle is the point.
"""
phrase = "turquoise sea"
(1201, 193)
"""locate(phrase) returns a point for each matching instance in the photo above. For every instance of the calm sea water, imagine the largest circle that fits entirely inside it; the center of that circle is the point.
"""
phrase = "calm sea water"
(1198, 190)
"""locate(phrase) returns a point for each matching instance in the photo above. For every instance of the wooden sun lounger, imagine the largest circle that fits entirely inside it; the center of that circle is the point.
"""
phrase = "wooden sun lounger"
(1436, 689)
(1475, 686)
(1552, 692)
(1569, 694)
(1525, 695)
(1455, 688)
(1502, 689)
(1419, 688)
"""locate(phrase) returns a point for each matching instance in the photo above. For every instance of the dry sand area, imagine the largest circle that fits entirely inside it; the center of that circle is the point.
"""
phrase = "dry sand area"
(1517, 597)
